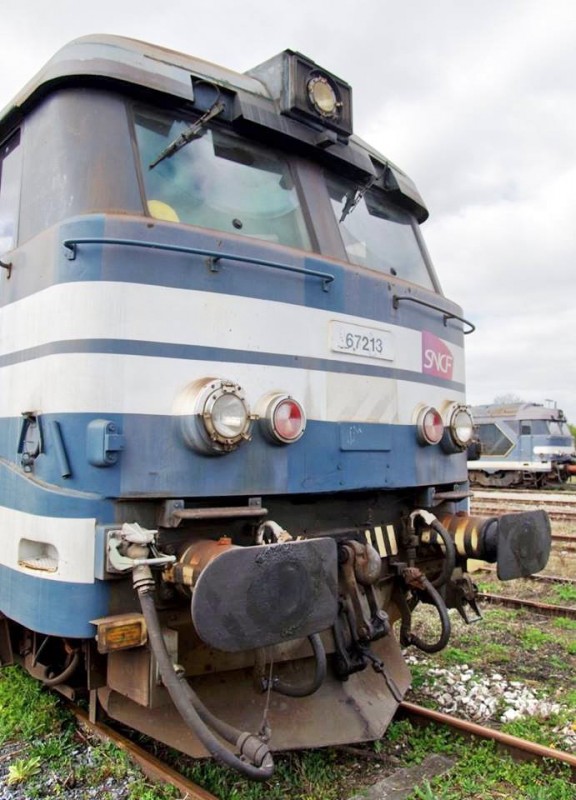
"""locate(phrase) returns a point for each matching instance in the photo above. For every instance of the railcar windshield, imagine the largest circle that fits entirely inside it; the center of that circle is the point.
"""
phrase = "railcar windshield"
(378, 234)
(557, 428)
(219, 181)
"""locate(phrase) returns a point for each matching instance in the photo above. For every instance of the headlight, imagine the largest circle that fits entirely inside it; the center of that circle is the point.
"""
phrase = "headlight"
(430, 427)
(460, 425)
(214, 416)
(323, 96)
(282, 419)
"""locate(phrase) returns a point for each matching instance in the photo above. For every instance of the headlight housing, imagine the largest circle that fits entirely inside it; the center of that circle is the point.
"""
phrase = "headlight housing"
(214, 416)
(429, 425)
(459, 427)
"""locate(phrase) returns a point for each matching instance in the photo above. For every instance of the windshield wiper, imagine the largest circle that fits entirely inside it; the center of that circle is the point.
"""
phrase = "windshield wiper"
(195, 131)
(354, 196)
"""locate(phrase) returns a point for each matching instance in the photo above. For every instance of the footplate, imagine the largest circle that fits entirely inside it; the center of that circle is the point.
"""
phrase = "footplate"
(250, 597)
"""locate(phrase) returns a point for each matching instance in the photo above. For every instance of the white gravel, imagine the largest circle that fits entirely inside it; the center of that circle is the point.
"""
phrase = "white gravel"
(461, 691)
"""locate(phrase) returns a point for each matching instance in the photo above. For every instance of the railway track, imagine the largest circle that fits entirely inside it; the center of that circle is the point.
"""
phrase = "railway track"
(518, 748)
(546, 609)
(559, 505)
(151, 766)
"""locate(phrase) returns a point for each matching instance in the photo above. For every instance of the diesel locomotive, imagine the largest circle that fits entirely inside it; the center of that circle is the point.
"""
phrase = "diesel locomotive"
(523, 445)
(233, 426)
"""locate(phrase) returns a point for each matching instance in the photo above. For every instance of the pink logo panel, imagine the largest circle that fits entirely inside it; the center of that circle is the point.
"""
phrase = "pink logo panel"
(437, 358)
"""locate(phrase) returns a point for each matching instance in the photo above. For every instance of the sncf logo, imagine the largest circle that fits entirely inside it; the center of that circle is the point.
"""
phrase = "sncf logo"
(437, 358)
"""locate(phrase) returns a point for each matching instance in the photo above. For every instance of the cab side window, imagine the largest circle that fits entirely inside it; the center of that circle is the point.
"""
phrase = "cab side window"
(10, 179)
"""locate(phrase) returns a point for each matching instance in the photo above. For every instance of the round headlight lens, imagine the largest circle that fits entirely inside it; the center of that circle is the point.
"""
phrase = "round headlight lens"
(430, 426)
(323, 96)
(229, 416)
(461, 426)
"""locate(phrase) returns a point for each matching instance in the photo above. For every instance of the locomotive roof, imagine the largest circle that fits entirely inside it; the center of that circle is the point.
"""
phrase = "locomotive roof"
(516, 411)
(132, 64)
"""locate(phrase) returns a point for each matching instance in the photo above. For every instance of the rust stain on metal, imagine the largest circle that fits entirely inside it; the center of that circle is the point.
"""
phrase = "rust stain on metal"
(150, 765)
(505, 739)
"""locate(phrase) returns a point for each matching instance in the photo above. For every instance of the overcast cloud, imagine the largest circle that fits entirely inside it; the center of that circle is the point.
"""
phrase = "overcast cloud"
(475, 99)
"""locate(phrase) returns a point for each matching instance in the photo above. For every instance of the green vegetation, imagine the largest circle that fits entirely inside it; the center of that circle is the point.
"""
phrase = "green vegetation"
(48, 744)
(565, 592)
(481, 771)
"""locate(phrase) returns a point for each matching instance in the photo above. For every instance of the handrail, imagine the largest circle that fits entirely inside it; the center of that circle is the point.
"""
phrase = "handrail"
(212, 256)
(446, 314)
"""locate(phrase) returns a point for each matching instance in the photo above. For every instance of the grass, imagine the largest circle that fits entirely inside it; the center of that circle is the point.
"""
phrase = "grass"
(565, 593)
(45, 756)
(481, 771)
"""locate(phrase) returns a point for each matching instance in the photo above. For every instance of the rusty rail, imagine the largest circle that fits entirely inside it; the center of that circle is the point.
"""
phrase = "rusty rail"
(546, 609)
(151, 766)
(512, 743)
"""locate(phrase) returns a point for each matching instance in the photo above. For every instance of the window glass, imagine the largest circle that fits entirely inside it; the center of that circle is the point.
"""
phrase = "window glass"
(219, 181)
(378, 234)
(10, 174)
(494, 440)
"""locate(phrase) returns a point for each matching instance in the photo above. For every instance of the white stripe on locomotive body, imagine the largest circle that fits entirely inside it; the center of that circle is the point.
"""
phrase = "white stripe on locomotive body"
(553, 450)
(73, 539)
(102, 382)
(499, 466)
(120, 384)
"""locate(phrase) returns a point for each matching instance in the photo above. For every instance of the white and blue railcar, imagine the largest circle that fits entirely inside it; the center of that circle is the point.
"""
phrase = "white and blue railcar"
(523, 445)
(233, 427)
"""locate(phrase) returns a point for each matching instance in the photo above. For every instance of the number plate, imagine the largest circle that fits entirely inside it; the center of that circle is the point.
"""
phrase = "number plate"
(358, 340)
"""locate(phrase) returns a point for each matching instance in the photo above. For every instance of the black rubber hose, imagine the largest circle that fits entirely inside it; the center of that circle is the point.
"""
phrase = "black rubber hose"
(250, 746)
(317, 680)
(450, 555)
(66, 673)
(408, 638)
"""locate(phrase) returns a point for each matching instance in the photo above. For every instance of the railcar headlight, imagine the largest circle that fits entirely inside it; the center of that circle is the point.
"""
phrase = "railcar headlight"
(460, 425)
(323, 96)
(214, 416)
(429, 425)
(282, 419)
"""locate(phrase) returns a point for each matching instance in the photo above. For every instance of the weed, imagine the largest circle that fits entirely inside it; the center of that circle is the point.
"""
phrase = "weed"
(565, 593)
(564, 623)
(453, 655)
(27, 710)
(534, 638)
(23, 769)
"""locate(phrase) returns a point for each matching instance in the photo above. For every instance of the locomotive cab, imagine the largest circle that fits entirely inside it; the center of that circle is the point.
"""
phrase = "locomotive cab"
(234, 428)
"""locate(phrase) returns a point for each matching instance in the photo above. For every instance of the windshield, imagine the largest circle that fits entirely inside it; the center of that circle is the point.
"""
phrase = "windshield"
(556, 428)
(219, 181)
(378, 234)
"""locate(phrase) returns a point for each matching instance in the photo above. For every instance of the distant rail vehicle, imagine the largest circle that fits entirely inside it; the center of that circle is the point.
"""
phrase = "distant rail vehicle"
(521, 445)
(233, 426)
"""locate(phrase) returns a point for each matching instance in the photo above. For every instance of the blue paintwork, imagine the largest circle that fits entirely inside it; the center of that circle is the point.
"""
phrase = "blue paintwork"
(156, 462)
(354, 291)
(58, 608)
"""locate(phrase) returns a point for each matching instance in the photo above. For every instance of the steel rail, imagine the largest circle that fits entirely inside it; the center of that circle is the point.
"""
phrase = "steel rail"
(546, 609)
(151, 766)
(538, 577)
(508, 741)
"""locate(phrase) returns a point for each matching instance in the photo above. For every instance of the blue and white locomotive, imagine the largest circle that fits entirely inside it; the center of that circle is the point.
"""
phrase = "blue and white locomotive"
(521, 445)
(233, 427)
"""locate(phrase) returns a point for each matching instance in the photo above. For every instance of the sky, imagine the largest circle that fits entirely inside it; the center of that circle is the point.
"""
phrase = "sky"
(474, 99)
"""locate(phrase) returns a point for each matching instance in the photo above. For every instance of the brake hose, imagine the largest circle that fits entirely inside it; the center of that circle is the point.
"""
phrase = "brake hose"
(407, 637)
(193, 711)
(305, 689)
